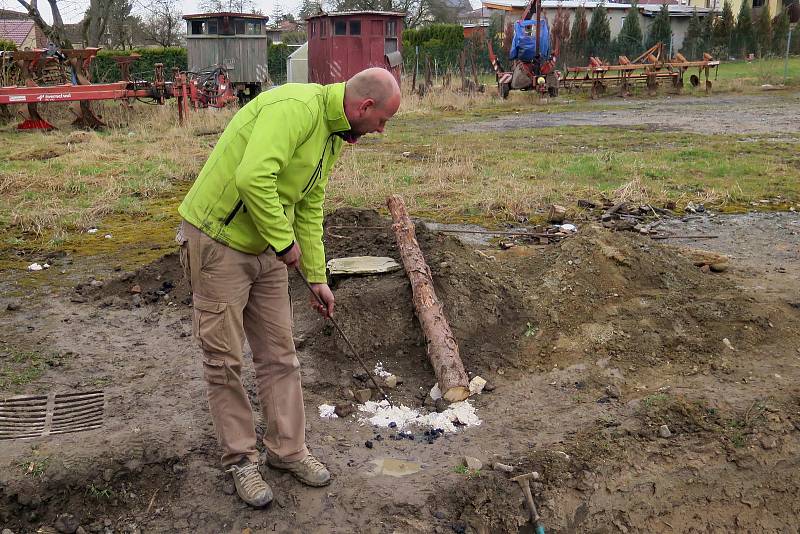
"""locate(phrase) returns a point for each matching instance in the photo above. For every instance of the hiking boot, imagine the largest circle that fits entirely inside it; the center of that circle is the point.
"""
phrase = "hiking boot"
(249, 485)
(309, 470)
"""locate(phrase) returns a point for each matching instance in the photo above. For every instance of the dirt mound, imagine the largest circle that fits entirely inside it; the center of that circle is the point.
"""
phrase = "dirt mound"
(159, 282)
(617, 297)
(586, 341)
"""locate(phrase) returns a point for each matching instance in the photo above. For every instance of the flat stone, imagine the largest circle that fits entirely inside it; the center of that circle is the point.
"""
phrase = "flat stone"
(363, 395)
(505, 468)
(664, 431)
(391, 381)
(362, 265)
(768, 443)
(476, 385)
(472, 463)
(345, 409)
(66, 524)
(613, 391)
(13, 305)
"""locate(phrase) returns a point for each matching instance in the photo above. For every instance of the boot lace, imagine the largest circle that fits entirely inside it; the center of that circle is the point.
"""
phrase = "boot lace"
(312, 464)
(249, 478)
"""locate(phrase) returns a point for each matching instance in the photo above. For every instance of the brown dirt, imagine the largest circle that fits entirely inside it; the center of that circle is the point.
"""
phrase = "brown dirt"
(592, 345)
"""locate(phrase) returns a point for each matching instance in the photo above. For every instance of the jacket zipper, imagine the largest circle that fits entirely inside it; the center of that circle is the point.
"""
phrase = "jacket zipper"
(233, 213)
(318, 170)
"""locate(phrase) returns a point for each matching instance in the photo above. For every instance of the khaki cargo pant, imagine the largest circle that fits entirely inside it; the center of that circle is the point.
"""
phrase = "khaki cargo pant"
(237, 294)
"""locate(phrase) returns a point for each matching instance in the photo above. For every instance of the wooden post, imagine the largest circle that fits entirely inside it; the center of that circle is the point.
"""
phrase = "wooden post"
(442, 347)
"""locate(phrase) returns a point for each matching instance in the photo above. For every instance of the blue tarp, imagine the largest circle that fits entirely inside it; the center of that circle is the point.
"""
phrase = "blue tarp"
(523, 46)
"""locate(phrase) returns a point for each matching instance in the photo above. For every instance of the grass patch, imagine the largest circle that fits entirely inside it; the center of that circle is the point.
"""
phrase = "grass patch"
(466, 471)
(129, 180)
(99, 493)
(656, 399)
(740, 75)
(19, 368)
(35, 468)
(500, 177)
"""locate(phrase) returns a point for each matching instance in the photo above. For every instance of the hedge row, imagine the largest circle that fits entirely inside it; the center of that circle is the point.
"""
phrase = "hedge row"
(104, 68)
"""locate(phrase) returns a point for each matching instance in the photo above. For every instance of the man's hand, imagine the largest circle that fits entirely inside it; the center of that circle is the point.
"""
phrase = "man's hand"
(292, 257)
(326, 295)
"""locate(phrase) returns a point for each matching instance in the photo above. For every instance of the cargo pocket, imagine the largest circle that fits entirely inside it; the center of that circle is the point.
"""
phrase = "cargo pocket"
(210, 325)
(214, 372)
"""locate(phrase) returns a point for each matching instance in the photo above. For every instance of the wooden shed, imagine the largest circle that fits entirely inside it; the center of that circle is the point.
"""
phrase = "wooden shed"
(342, 44)
(237, 41)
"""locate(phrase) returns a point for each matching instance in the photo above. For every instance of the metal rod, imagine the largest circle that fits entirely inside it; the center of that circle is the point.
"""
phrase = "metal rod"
(347, 341)
(684, 237)
(786, 58)
(449, 231)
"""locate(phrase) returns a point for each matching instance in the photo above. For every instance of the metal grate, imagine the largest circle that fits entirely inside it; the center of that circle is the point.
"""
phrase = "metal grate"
(56, 413)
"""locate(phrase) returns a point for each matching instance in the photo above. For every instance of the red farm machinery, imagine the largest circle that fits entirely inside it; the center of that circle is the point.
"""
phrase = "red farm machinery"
(533, 64)
(34, 77)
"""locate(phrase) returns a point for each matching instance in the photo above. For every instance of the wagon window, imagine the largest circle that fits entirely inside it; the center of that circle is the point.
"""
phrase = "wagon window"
(391, 28)
(323, 30)
(340, 27)
(198, 27)
(212, 27)
(355, 27)
(254, 28)
(239, 27)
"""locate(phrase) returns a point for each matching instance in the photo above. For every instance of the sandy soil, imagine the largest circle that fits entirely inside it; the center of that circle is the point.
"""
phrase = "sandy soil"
(773, 113)
(591, 344)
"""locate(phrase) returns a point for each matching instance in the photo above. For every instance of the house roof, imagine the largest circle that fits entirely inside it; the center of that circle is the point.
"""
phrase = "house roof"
(348, 13)
(197, 16)
(481, 12)
(13, 15)
(15, 30)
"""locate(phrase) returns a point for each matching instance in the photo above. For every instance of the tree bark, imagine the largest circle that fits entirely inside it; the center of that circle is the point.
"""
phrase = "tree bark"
(55, 32)
(442, 347)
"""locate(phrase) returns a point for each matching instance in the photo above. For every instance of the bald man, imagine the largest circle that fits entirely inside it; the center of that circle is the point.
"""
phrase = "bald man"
(254, 210)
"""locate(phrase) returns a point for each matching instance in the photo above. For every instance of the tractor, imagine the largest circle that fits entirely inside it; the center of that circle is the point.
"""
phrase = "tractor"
(533, 66)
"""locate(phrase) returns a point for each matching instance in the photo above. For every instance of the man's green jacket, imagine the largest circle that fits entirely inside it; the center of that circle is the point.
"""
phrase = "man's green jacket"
(264, 183)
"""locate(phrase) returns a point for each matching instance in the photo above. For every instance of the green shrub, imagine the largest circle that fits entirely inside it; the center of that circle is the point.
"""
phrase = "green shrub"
(104, 68)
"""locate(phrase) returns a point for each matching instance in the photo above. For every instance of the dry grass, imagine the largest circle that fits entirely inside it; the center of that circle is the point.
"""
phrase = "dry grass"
(69, 180)
(57, 184)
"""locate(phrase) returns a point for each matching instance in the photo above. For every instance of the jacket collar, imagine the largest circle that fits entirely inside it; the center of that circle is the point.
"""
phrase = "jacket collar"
(334, 108)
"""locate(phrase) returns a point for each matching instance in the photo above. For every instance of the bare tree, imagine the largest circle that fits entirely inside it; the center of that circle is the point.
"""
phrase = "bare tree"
(417, 11)
(235, 6)
(54, 32)
(95, 21)
(162, 23)
(123, 25)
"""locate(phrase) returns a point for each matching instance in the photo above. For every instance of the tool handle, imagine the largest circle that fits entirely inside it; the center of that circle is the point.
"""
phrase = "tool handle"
(346, 340)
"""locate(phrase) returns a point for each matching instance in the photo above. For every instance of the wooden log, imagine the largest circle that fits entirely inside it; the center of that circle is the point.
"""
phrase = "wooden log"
(442, 346)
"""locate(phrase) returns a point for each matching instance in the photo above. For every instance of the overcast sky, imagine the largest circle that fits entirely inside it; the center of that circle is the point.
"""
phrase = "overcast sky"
(72, 10)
